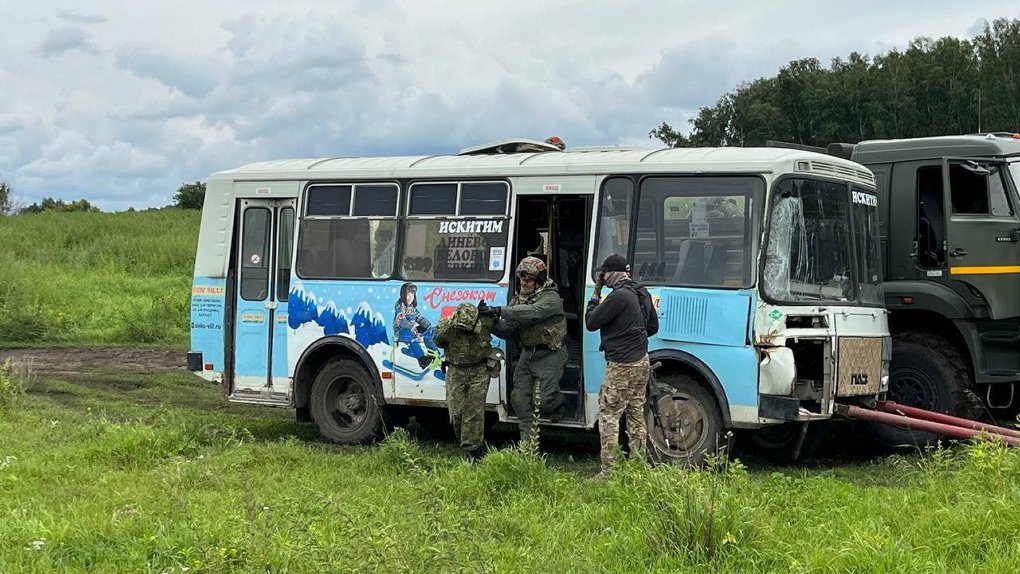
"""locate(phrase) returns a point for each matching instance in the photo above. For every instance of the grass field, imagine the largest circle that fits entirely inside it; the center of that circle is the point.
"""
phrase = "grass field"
(97, 278)
(118, 471)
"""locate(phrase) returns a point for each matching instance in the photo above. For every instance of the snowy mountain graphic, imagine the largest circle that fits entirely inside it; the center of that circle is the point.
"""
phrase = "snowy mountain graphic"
(304, 307)
(369, 329)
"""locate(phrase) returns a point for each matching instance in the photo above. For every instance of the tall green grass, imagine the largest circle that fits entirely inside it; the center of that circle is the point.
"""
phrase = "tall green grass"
(97, 278)
(127, 472)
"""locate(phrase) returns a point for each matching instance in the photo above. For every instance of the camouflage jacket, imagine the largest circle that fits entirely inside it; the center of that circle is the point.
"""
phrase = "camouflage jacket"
(465, 336)
(536, 318)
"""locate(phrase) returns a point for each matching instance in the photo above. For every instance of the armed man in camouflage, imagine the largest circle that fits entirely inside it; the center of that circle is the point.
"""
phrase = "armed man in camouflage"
(535, 317)
(471, 361)
(624, 319)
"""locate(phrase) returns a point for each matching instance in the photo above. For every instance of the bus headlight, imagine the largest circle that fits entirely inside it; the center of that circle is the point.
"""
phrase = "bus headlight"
(886, 359)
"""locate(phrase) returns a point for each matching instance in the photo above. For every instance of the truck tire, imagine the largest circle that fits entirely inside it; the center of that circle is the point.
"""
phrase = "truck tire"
(928, 372)
(345, 404)
(684, 422)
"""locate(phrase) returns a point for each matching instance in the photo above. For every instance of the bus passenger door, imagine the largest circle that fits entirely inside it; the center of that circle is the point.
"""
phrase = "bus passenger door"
(266, 235)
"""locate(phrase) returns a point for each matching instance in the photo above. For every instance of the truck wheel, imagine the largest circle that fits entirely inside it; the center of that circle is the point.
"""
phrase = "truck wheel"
(927, 372)
(683, 420)
(345, 404)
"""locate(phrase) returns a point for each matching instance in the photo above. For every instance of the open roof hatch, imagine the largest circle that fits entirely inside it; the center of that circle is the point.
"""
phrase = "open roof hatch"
(513, 145)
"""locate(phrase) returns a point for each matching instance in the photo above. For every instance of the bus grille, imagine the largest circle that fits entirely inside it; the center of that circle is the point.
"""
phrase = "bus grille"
(860, 366)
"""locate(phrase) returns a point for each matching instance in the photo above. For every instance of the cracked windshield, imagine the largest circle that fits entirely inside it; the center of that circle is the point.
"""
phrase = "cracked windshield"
(808, 257)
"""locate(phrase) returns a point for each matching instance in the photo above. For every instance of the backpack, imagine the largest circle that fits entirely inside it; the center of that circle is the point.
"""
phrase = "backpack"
(644, 298)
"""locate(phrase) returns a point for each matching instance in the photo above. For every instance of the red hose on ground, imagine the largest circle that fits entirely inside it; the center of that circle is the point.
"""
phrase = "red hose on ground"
(951, 431)
(916, 413)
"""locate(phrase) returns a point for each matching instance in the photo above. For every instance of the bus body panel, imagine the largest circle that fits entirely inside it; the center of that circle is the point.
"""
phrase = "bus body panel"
(207, 324)
(402, 348)
(708, 324)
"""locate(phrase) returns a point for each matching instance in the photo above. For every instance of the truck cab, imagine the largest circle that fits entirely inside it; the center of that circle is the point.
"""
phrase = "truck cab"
(950, 227)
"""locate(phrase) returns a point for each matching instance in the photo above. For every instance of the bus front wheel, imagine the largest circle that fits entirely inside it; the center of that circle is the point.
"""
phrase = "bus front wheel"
(684, 423)
(344, 403)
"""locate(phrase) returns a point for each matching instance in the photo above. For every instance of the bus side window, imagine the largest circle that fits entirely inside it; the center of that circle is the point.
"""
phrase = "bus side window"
(694, 231)
(614, 223)
(284, 244)
(455, 231)
(348, 232)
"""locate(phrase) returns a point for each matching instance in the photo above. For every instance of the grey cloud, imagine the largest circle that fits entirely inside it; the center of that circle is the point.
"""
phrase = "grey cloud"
(10, 124)
(186, 76)
(375, 78)
(76, 18)
(66, 39)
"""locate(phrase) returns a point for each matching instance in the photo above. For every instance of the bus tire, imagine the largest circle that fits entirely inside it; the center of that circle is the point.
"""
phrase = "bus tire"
(345, 404)
(684, 422)
(778, 443)
(928, 372)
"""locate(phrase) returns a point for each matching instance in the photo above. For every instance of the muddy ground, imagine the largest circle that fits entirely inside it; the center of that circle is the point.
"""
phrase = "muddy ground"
(63, 361)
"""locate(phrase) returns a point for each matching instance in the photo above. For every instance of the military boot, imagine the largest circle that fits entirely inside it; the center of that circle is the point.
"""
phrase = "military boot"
(476, 454)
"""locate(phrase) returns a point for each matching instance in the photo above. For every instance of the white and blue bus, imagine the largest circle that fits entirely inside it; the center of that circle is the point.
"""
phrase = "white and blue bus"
(318, 282)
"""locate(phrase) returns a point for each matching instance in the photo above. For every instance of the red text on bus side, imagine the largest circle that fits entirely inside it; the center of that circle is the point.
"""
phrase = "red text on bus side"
(438, 295)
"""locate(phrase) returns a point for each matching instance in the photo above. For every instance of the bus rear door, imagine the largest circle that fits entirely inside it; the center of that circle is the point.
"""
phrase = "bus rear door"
(263, 265)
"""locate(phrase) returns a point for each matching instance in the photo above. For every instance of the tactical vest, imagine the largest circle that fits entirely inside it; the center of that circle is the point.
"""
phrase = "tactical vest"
(469, 341)
(549, 332)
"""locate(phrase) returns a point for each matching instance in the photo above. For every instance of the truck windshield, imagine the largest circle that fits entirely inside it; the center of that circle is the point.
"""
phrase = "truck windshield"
(869, 245)
(809, 256)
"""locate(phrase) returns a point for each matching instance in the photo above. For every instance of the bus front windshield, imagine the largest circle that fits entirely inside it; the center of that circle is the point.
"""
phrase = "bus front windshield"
(867, 237)
(809, 256)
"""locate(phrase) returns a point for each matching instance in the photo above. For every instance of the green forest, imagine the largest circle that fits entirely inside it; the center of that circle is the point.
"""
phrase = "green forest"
(934, 87)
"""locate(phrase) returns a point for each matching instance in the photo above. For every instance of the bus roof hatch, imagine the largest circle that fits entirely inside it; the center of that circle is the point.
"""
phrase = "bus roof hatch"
(512, 145)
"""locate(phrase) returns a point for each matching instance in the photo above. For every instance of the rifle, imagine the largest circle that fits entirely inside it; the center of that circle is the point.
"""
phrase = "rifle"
(653, 398)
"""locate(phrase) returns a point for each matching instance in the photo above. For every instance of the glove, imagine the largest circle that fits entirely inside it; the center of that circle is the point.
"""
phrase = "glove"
(599, 281)
(487, 311)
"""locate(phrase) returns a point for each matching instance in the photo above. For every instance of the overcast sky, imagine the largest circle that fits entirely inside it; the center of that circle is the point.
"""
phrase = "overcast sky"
(122, 102)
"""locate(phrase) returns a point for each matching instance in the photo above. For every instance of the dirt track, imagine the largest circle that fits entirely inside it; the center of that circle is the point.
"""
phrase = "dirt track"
(76, 360)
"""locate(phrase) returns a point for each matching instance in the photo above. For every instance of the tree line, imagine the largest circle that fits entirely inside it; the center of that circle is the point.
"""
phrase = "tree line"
(188, 196)
(934, 87)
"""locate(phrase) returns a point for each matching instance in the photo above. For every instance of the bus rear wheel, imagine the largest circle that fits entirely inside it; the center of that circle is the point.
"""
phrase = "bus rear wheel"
(344, 403)
(684, 423)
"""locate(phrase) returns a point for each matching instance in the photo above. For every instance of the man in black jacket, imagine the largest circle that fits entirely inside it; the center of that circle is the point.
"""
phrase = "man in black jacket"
(624, 324)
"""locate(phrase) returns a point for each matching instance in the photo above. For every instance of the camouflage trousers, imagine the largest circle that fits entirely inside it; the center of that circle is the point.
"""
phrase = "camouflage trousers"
(623, 393)
(537, 388)
(465, 398)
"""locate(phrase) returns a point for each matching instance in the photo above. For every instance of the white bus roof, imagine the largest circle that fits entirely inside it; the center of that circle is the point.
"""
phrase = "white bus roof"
(599, 161)
(214, 236)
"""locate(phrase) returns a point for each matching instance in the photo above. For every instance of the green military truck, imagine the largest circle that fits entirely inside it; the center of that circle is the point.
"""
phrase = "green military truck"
(950, 220)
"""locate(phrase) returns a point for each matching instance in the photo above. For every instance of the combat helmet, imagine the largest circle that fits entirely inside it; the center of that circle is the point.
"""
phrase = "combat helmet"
(532, 268)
